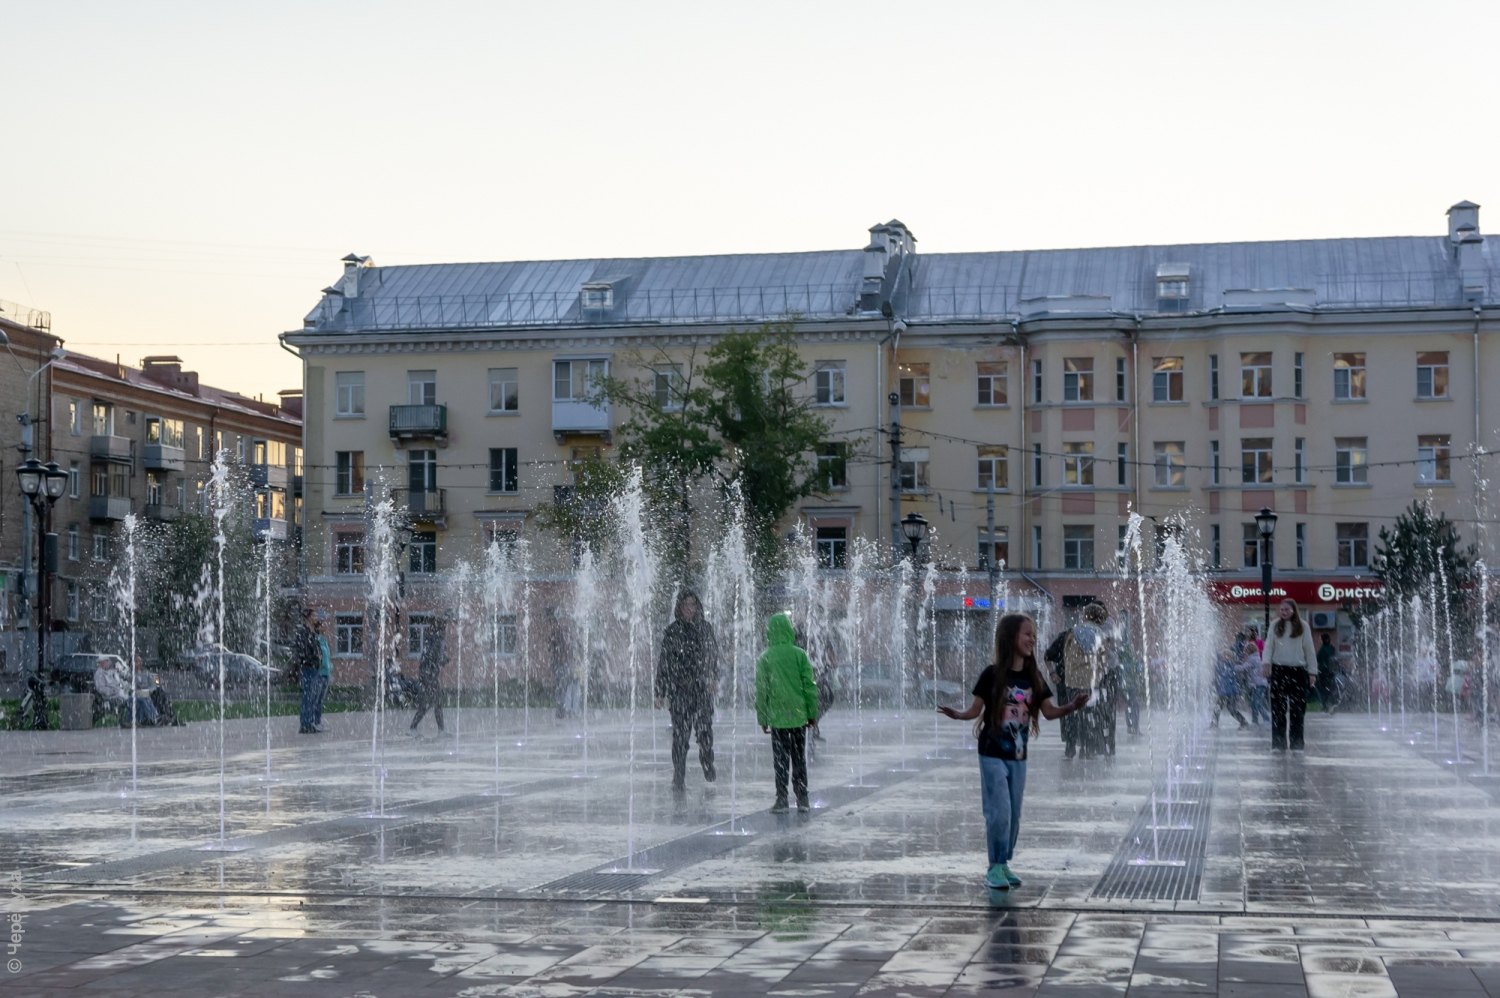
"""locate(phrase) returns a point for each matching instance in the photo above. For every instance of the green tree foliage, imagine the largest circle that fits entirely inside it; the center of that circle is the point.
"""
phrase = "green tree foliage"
(1421, 555)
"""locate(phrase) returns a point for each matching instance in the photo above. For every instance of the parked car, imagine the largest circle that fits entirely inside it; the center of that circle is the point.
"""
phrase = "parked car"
(240, 670)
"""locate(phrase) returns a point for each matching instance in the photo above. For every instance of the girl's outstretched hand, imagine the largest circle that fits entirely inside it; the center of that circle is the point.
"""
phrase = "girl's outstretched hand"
(1081, 699)
(948, 712)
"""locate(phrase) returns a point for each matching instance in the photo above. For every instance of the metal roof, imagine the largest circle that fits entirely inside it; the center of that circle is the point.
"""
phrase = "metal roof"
(1365, 273)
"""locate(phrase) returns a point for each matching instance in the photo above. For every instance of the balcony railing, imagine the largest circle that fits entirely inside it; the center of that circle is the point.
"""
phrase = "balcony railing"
(268, 476)
(162, 457)
(430, 505)
(268, 529)
(109, 507)
(410, 421)
(103, 447)
(573, 416)
(162, 512)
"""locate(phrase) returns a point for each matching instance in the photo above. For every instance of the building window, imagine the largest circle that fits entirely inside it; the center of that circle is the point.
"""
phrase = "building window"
(1078, 379)
(1432, 374)
(1255, 375)
(1433, 459)
(1354, 544)
(104, 419)
(914, 469)
(1122, 464)
(504, 476)
(1078, 463)
(349, 393)
(1251, 535)
(1166, 379)
(832, 543)
(1301, 535)
(107, 480)
(508, 634)
(1036, 382)
(1078, 547)
(828, 383)
(1170, 463)
(421, 471)
(1036, 465)
(75, 417)
(994, 469)
(667, 385)
(1348, 375)
(349, 552)
(1120, 382)
(155, 488)
(270, 505)
(1122, 554)
(73, 542)
(597, 296)
(421, 388)
(1255, 461)
(348, 635)
(1296, 375)
(423, 552)
(505, 389)
(1299, 460)
(833, 466)
(504, 533)
(1213, 376)
(1036, 546)
(1351, 460)
(1213, 462)
(99, 603)
(349, 472)
(914, 385)
(577, 380)
(994, 549)
(1216, 547)
(421, 630)
(992, 383)
(71, 605)
(73, 479)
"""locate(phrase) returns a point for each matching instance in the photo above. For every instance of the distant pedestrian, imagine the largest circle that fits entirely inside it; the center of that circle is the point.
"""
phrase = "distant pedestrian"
(786, 705)
(1291, 664)
(1257, 686)
(429, 679)
(564, 664)
(687, 681)
(310, 653)
(1328, 675)
(1008, 697)
(1227, 687)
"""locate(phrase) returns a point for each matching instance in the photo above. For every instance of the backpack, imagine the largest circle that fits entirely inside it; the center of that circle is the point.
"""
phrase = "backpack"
(1083, 656)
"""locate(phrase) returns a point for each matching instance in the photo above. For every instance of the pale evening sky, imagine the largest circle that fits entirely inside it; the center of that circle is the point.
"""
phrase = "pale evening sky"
(182, 177)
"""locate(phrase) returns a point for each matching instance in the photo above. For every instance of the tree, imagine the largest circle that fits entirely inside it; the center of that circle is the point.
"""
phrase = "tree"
(734, 417)
(1419, 555)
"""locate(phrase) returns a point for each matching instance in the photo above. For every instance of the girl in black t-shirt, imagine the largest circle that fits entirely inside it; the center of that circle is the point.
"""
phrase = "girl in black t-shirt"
(1008, 698)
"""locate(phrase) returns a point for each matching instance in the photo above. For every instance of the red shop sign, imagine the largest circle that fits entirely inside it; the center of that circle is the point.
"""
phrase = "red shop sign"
(1304, 591)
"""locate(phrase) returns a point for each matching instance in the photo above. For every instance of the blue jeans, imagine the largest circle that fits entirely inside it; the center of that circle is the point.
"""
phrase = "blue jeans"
(313, 686)
(1002, 784)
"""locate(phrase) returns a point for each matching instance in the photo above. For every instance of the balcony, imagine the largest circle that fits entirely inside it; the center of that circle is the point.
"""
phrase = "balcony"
(423, 506)
(572, 417)
(269, 476)
(268, 529)
(103, 447)
(108, 507)
(419, 422)
(161, 457)
(161, 512)
(296, 486)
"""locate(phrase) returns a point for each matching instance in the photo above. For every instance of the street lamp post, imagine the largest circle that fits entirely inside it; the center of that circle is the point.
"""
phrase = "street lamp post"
(914, 527)
(43, 485)
(1265, 522)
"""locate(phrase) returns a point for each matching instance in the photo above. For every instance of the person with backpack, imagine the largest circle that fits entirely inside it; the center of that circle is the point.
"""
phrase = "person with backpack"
(1328, 675)
(1084, 658)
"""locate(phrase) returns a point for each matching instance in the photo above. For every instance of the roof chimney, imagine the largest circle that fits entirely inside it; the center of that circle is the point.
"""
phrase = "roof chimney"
(1462, 216)
(1468, 249)
(891, 245)
(353, 264)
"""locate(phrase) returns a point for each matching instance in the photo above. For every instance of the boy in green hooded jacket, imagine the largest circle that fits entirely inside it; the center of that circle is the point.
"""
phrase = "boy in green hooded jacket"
(786, 705)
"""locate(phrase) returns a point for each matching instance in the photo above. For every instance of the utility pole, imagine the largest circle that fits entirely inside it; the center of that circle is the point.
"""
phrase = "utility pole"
(898, 540)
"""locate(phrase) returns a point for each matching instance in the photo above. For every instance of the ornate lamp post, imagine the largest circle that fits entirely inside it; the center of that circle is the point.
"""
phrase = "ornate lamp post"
(43, 485)
(1265, 522)
(914, 527)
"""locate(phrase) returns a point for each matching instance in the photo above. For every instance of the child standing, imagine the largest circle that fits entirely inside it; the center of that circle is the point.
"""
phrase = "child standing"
(1008, 697)
(786, 705)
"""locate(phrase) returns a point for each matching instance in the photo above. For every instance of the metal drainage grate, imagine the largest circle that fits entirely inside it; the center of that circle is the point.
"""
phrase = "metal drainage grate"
(600, 882)
(1164, 863)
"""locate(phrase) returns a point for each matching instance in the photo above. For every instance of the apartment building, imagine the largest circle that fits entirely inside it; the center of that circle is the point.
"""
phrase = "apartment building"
(1040, 397)
(137, 440)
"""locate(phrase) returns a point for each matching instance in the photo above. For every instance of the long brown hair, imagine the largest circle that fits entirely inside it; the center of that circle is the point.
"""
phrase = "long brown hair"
(1296, 620)
(1006, 633)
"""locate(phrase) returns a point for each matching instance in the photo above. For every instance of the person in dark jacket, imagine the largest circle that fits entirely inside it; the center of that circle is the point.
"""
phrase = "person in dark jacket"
(687, 680)
(429, 679)
(310, 652)
(786, 705)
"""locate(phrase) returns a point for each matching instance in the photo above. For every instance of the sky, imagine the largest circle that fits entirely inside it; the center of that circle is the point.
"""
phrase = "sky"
(182, 177)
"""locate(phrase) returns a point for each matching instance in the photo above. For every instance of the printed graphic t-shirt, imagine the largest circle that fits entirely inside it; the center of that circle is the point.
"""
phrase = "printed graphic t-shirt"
(1008, 741)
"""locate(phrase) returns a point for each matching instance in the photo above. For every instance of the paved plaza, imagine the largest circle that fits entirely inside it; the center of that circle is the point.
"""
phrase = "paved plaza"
(512, 855)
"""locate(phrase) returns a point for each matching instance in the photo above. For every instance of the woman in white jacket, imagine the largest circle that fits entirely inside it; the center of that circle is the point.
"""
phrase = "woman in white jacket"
(1291, 663)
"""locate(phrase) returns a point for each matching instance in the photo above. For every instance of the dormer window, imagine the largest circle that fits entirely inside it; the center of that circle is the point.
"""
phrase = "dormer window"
(1172, 287)
(598, 296)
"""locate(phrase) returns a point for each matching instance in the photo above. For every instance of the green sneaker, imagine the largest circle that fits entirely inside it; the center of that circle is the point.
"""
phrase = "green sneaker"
(996, 878)
(1010, 878)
